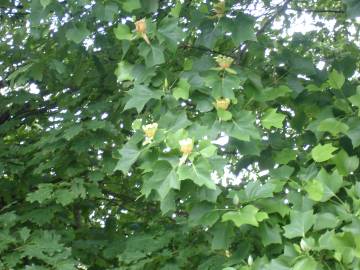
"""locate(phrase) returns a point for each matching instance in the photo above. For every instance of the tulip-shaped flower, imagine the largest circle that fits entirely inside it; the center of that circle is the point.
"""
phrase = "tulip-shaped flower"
(140, 27)
(222, 103)
(150, 131)
(186, 147)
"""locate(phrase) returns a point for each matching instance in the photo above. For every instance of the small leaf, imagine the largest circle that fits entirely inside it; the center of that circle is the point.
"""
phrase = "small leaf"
(307, 263)
(336, 79)
(224, 115)
(242, 29)
(45, 3)
(333, 126)
(182, 89)
(129, 154)
(223, 235)
(315, 190)
(139, 96)
(344, 163)
(301, 222)
(355, 99)
(163, 180)
(247, 215)
(199, 173)
(272, 119)
(77, 34)
(241, 126)
(123, 71)
(321, 153)
(131, 5)
(122, 32)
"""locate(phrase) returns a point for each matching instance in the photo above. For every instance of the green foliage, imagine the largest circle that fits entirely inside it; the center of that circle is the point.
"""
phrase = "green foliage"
(147, 134)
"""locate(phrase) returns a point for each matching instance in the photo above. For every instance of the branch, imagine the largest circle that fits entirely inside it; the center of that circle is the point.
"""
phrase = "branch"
(186, 46)
(318, 10)
(279, 11)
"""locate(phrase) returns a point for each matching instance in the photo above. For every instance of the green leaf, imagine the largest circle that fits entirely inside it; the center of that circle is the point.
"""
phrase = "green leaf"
(170, 33)
(301, 222)
(354, 132)
(270, 235)
(182, 89)
(224, 115)
(321, 153)
(199, 173)
(285, 156)
(270, 93)
(208, 151)
(355, 99)
(352, 8)
(307, 263)
(153, 54)
(223, 235)
(130, 5)
(45, 3)
(315, 190)
(325, 221)
(203, 214)
(168, 204)
(255, 190)
(43, 193)
(331, 183)
(174, 121)
(77, 34)
(139, 96)
(122, 32)
(123, 71)
(241, 127)
(272, 119)
(106, 12)
(248, 215)
(336, 79)
(333, 126)
(129, 154)
(72, 132)
(242, 29)
(223, 87)
(344, 163)
(163, 180)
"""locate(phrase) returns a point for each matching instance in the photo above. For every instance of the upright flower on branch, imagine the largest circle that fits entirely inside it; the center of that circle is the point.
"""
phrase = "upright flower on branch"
(140, 27)
(219, 9)
(222, 103)
(224, 63)
(186, 147)
(150, 131)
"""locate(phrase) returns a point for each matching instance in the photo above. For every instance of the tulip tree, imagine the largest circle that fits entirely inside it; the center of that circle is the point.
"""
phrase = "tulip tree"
(168, 134)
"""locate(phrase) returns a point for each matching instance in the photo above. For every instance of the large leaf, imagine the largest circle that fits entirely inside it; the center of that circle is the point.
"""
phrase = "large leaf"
(300, 224)
(248, 215)
(241, 126)
(322, 152)
(199, 173)
(139, 96)
(163, 180)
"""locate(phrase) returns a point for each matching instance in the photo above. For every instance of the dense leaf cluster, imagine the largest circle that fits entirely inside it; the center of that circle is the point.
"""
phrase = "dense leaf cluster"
(168, 134)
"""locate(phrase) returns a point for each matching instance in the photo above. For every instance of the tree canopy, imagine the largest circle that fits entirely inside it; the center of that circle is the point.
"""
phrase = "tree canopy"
(179, 134)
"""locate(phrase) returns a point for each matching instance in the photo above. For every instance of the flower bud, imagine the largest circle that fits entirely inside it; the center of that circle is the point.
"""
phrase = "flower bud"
(140, 26)
(222, 103)
(304, 246)
(250, 260)
(236, 199)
